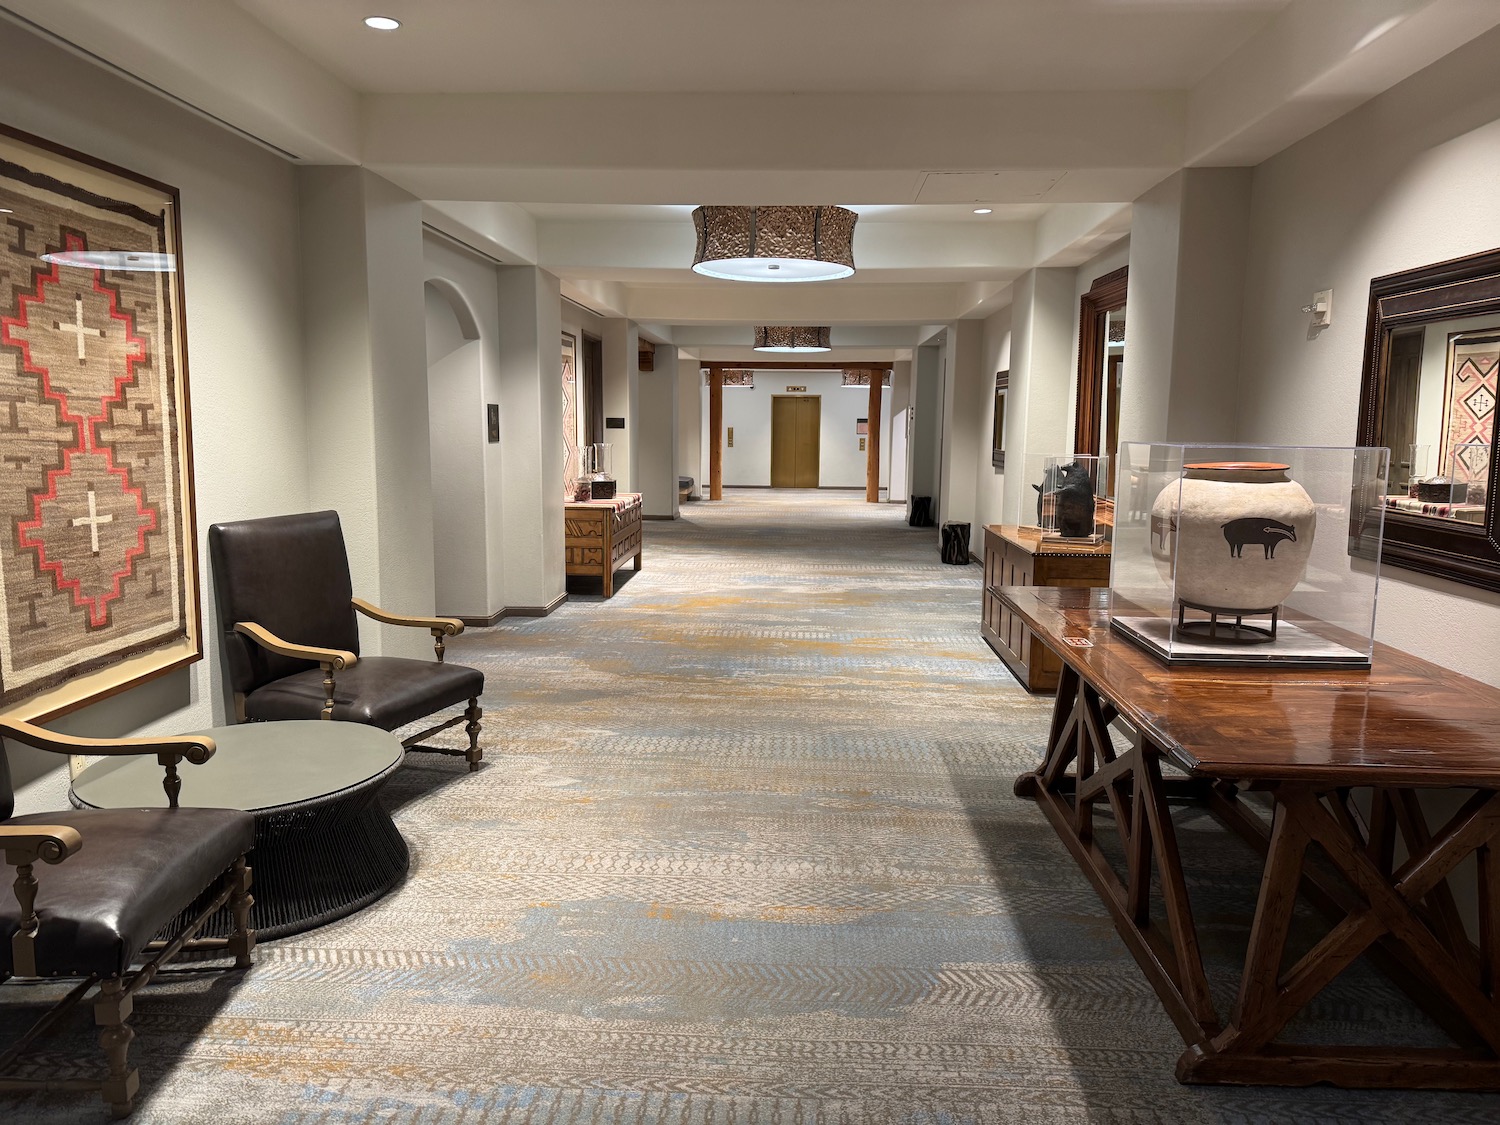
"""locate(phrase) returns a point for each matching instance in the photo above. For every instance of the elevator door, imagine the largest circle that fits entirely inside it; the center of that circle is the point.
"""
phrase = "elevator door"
(795, 422)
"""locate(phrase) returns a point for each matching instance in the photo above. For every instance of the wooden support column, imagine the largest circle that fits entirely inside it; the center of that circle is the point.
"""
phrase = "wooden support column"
(872, 446)
(716, 433)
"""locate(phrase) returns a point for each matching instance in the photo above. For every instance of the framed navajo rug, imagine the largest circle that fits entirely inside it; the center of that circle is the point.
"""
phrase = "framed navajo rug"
(1473, 364)
(98, 568)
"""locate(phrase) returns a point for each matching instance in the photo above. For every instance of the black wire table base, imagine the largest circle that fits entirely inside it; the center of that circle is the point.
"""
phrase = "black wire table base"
(320, 860)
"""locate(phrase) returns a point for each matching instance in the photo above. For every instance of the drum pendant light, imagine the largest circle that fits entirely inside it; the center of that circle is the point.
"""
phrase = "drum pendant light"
(774, 243)
(791, 338)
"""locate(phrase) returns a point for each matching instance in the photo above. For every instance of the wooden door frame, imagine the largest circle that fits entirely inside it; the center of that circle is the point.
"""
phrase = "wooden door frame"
(1107, 292)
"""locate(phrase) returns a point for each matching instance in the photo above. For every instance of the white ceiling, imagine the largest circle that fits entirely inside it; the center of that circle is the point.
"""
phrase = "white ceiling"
(748, 46)
(578, 134)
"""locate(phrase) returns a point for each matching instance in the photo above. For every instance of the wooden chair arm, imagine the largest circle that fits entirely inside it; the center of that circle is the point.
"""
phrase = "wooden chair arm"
(335, 658)
(28, 843)
(439, 627)
(446, 626)
(196, 748)
(25, 845)
(169, 749)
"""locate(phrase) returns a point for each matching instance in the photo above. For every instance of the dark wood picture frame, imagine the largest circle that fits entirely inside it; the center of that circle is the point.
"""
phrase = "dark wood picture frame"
(1462, 287)
(92, 182)
(997, 441)
(1106, 294)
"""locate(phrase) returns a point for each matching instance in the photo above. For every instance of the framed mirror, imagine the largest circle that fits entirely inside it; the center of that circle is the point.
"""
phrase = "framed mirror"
(1002, 392)
(1101, 359)
(1431, 363)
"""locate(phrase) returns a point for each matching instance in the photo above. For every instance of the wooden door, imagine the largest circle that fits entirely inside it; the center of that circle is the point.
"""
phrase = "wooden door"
(1402, 385)
(796, 422)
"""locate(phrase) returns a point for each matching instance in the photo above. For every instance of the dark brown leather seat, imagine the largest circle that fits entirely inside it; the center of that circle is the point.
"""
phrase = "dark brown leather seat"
(138, 869)
(288, 614)
(93, 890)
(388, 692)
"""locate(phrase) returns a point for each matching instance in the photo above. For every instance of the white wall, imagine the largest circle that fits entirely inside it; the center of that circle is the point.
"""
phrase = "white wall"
(1405, 180)
(748, 410)
(895, 456)
(240, 247)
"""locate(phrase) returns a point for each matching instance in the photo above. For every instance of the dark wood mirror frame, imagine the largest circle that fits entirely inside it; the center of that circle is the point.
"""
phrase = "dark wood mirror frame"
(1445, 291)
(1002, 393)
(1105, 295)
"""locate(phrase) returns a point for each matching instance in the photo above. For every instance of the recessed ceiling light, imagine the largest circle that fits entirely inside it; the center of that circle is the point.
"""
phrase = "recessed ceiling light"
(983, 210)
(382, 23)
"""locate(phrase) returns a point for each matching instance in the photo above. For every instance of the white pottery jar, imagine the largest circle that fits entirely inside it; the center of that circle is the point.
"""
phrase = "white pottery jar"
(1241, 533)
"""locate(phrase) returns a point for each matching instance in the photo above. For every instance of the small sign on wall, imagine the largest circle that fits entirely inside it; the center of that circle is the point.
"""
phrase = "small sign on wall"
(796, 390)
(731, 437)
(492, 409)
(861, 426)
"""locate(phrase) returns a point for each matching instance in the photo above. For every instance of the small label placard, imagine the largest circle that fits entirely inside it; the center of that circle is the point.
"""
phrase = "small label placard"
(794, 390)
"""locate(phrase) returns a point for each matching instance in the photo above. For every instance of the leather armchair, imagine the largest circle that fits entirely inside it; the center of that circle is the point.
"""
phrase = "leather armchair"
(287, 611)
(121, 886)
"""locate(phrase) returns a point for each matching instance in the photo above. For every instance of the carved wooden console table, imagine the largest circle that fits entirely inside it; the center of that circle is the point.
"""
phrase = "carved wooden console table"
(601, 535)
(1341, 756)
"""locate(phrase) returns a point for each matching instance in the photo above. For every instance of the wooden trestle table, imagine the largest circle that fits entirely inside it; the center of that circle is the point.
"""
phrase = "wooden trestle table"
(1342, 755)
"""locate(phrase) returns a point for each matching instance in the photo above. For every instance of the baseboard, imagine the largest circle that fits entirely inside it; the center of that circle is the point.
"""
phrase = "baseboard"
(646, 517)
(482, 622)
(536, 610)
(820, 488)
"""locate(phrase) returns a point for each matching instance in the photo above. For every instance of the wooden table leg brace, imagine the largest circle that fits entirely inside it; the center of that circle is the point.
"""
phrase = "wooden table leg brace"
(1405, 916)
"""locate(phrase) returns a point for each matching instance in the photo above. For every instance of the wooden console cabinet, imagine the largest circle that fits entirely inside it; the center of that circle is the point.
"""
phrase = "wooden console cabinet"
(1019, 556)
(601, 535)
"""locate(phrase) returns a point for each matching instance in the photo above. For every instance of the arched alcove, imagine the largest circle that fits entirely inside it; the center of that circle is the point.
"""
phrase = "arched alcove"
(457, 422)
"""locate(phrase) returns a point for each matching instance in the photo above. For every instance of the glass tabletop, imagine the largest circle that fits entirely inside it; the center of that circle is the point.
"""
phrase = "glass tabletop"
(255, 766)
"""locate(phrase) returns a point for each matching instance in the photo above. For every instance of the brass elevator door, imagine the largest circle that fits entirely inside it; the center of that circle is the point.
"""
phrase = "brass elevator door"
(795, 424)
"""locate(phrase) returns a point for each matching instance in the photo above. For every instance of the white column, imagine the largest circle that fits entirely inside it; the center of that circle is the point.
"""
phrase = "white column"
(690, 422)
(963, 401)
(531, 410)
(656, 435)
(364, 334)
(621, 345)
(1041, 381)
(1188, 252)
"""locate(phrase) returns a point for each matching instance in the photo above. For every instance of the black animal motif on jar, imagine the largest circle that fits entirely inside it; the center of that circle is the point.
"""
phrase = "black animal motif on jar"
(1268, 533)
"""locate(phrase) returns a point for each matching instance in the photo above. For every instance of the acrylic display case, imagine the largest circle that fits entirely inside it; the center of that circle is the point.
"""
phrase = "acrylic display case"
(1236, 554)
(1067, 497)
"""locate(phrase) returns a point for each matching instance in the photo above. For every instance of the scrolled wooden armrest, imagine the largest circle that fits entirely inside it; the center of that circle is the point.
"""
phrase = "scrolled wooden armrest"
(336, 658)
(196, 748)
(447, 626)
(28, 843)
(23, 846)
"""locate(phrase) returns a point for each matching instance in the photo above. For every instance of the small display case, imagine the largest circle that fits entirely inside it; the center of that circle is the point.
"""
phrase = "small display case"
(1235, 554)
(1067, 497)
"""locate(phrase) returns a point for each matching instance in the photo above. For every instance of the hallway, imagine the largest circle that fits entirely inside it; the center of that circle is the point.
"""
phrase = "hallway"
(743, 850)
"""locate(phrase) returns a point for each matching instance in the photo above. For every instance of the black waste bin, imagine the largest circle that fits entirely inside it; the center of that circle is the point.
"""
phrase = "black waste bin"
(921, 512)
(956, 544)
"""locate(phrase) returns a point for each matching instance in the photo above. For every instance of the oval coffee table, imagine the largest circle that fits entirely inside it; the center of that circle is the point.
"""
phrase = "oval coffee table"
(324, 845)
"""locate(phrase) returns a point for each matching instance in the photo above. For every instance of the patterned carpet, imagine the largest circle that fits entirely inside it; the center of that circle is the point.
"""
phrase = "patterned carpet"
(743, 852)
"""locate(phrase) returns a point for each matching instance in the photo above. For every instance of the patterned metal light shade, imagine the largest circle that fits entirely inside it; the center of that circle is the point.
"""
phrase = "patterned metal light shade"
(791, 338)
(774, 243)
